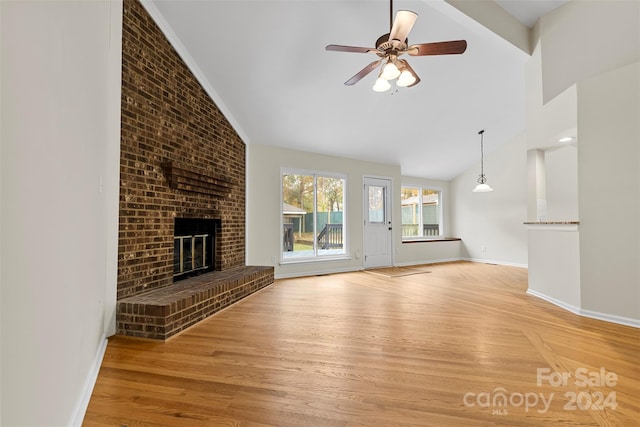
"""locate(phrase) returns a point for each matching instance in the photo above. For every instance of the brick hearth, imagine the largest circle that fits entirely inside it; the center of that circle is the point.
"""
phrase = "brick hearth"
(162, 313)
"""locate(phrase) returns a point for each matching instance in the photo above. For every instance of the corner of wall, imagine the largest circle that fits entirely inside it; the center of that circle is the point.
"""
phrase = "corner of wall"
(608, 111)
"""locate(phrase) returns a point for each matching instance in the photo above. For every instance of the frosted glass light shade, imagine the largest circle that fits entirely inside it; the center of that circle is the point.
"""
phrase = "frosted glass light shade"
(482, 188)
(381, 85)
(390, 71)
(406, 79)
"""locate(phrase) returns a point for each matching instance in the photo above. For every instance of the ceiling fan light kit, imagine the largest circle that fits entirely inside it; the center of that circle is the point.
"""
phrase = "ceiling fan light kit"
(393, 44)
(406, 79)
(407, 76)
(390, 71)
(482, 186)
(381, 85)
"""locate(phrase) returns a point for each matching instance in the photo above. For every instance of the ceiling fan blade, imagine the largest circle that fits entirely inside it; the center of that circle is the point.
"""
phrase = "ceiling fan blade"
(405, 65)
(438, 48)
(401, 26)
(366, 70)
(340, 48)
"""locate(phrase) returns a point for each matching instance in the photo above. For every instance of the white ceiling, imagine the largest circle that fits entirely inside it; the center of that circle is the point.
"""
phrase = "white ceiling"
(529, 11)
(265, 65)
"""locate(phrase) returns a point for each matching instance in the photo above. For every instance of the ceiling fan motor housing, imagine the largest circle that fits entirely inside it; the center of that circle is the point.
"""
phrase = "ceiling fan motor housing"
(383, 44)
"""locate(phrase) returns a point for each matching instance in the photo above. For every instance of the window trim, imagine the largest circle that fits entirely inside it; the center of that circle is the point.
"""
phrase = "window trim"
(317, 257)
(421, 188)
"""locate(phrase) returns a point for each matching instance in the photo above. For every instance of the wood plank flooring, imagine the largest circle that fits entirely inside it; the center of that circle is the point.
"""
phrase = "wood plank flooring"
(460, 346)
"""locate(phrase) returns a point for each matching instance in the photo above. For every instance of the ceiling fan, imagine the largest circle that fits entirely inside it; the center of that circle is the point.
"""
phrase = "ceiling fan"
(390, 46)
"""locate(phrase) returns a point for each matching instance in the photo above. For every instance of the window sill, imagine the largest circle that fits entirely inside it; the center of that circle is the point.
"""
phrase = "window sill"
(437, 239)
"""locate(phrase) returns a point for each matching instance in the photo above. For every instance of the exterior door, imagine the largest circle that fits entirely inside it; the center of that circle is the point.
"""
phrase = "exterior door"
(378, 242)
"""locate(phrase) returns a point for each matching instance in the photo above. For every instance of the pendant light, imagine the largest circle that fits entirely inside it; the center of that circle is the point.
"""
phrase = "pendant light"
(482, 186)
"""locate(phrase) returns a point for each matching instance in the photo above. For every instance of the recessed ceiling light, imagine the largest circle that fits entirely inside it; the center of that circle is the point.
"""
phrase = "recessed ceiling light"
(566, 139)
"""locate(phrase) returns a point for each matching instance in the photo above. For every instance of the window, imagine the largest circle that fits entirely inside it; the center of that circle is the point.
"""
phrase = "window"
(312, 216)
(421, 213)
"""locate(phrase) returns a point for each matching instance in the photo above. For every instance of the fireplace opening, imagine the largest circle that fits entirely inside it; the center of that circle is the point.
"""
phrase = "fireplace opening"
(193, 247)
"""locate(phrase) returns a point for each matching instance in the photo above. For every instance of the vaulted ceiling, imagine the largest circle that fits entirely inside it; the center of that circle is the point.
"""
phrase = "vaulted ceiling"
(264, 63)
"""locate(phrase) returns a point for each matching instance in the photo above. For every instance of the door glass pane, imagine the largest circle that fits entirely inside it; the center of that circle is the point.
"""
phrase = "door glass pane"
(377, 202)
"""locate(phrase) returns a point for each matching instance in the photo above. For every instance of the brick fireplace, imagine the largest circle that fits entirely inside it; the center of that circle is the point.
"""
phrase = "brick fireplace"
(180, 159)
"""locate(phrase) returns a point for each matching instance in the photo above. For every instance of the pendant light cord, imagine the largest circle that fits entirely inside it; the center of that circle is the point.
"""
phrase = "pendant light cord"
(481, 178)
(481, 152)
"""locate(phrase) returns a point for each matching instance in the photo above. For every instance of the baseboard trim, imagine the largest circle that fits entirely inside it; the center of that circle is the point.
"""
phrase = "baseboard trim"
(359, 268)
(402, 264)
(572, 308)
(80, 408)
(431, 261)
(490, 261)
(316, 273)
(611, 318)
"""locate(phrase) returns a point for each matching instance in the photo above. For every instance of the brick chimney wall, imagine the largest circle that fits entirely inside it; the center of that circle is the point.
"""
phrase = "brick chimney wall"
(168, 117)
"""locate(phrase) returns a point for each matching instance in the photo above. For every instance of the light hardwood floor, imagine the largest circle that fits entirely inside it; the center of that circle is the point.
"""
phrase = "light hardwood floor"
(359, 349)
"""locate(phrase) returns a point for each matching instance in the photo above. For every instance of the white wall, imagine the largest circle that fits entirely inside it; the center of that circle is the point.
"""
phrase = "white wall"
(554, 264)
(264, 235)
(491, 224)
(609, 193)
(582, 39)
(561, 172)
(428, 252)
(553, 188)
(586, 48)
(264, 165)
(60, 137)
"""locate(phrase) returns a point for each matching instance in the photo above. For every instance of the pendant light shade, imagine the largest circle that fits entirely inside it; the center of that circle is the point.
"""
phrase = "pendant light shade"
(482, 186)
